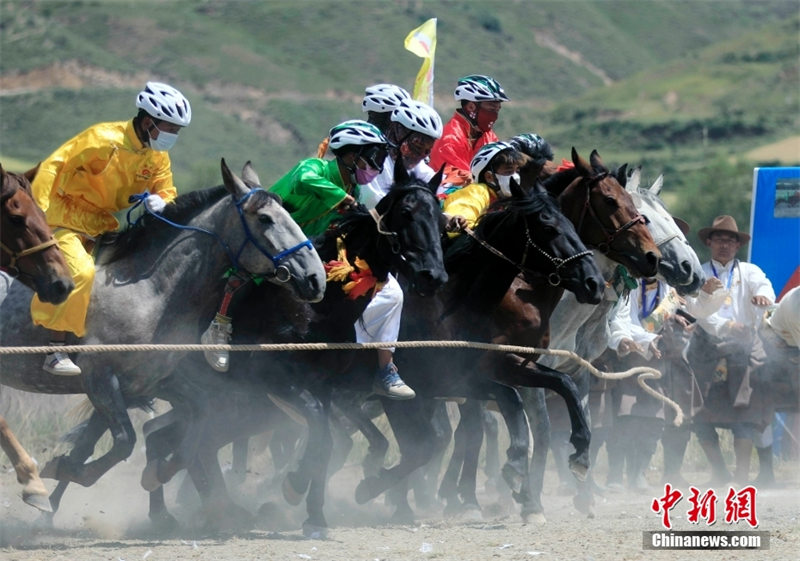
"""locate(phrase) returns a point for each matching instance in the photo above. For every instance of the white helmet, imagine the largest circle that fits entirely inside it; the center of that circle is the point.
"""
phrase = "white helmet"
(383, 98)
(483, 156)
(165, 103)
(419, 117)
(355, 133)
(477, 87)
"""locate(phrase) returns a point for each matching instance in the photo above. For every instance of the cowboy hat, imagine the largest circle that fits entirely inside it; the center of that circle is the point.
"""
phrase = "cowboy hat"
(723, 223)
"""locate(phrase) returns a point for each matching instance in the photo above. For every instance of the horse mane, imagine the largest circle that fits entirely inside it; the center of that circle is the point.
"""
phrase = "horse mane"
(559, 181)
(113, 246)
(485, 286)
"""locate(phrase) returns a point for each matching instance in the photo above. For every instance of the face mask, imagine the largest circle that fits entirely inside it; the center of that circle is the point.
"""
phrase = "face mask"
(504, 182)
(364, 176)
(164, 142)
(486, 119)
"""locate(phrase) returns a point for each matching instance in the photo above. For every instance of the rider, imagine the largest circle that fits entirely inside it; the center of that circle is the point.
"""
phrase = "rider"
(469, 129)
(89, 178)
(316, 192)
(493, 168)
(379, 102)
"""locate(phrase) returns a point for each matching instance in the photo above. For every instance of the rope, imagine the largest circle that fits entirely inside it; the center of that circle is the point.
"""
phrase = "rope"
(644, 372)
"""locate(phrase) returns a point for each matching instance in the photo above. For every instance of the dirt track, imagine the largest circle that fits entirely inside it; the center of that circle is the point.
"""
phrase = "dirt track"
(108, 522)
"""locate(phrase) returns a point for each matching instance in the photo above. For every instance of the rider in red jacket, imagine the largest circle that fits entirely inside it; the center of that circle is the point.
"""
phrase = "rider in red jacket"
(469, 129)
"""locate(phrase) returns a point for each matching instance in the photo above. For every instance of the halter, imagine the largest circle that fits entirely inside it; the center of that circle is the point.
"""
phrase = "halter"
(605, 246)
(553, 278)
(17, 255)
(281, 272)
(392, 237)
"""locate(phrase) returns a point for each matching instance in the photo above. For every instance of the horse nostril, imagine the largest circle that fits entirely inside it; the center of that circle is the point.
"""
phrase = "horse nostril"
(686, 267)
(591, 285)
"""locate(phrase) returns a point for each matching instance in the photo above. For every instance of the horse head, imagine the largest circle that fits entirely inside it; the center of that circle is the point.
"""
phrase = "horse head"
(604, 214)
(270, 232)
(29, 250)
(530, 232)
(410, 222)
(679, 265)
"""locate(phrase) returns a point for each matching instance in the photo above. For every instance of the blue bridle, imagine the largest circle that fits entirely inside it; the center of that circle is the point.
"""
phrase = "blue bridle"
(281, 273)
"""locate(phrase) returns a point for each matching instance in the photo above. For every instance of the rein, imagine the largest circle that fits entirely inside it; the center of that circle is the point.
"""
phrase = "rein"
(17, 255)
(281, 272)
(605, 246)
(553, 278)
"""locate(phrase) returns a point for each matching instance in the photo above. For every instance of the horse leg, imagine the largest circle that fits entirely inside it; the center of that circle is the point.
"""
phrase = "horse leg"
(491, 430)
(467, 483)
(536, 408)
(448, 489)
(34, 492)
(239, 460)
(411, 424)
(378, 443)
(158, 445)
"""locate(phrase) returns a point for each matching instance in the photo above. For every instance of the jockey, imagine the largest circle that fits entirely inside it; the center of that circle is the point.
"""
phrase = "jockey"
(379, 102)
(315, 192)
(540, 153)
(493, 168)
(89, 178)
(469, 129)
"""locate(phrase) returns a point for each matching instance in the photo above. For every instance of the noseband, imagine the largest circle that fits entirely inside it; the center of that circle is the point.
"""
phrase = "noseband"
(553, 278)
(605, 246)
(17, 255)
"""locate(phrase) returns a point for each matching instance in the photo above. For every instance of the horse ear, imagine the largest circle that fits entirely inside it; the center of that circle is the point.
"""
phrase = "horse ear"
(597, 163)
(233, 184)
(581, 165)
(436, 180)
(634, 179)
(400, 174)
(622, 175)
(31, 173)
(655, 188)
(516, 189)
(249, 174)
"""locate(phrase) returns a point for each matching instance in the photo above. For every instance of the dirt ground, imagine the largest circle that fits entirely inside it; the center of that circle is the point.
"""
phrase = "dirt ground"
(109, 522)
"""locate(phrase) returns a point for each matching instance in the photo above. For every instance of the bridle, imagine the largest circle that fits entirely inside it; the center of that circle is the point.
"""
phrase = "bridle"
(553, 278)
(393, 238)
(281, 272)
(604, 246)
(17, 255)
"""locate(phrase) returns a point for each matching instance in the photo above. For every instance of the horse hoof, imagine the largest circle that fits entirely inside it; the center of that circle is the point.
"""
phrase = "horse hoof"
(314, 532)
(164, 523)
(579, 467)
(368, 489)
(293, 494)
(534, 519)
(149, 479)
(512, 478)
(42, 502)
(584, 505)
(471, 513)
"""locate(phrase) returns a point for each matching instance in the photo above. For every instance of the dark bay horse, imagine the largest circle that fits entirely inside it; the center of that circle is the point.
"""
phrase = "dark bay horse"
(142, 294)
(402, 234)
(30, 253)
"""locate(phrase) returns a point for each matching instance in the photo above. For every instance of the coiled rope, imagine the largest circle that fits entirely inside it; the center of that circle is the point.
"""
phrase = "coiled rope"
(644, 372)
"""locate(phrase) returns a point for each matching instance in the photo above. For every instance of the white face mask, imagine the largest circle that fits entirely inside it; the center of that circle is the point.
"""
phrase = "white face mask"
(504, 182)
(165, 140)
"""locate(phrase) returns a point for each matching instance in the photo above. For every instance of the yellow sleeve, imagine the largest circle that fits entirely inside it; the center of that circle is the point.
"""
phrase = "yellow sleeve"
(469, 202)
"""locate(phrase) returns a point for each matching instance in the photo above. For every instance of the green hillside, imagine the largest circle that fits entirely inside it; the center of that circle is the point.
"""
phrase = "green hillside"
(679, 86)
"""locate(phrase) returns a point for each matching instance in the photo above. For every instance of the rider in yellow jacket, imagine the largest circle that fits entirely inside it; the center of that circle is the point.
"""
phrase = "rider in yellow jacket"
(89, 178)
(492, 167)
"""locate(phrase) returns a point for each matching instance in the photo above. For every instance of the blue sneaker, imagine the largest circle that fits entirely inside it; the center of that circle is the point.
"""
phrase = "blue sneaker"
(388, 383)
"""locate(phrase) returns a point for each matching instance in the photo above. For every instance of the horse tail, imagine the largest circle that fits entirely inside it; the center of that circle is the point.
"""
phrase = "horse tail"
(79, 414)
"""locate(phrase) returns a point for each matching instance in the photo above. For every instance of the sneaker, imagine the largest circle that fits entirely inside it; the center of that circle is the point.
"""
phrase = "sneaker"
(388, 383)
(218, 333)
(60, 364)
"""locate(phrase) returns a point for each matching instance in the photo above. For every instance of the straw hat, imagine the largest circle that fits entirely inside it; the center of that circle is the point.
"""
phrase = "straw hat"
(723, 223)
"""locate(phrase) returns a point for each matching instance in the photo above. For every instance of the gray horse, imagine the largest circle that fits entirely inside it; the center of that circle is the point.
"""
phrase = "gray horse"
(158, 283)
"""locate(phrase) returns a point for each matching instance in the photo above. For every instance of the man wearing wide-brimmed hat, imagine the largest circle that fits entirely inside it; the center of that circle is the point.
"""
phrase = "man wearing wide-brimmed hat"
(727, 348)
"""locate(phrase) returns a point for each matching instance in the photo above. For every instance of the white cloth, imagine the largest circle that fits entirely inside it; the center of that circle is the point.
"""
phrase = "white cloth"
(380, 321)
(375, 190)
(785, 320)
(746, 281)
(155, 203)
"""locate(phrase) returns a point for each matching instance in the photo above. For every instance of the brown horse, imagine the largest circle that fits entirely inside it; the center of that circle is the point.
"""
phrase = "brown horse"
(31, 254)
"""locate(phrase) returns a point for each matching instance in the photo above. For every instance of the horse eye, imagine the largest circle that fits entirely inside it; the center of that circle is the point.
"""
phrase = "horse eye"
(646, 220)
(16, 219)
(265, 220)
(611, 201)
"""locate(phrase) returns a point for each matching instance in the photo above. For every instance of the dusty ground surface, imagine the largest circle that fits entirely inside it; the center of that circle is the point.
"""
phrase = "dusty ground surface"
(109, 522)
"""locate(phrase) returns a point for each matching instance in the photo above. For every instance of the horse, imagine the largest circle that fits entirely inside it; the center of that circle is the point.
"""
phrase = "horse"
(34, 258)
(140, 293)
(402, 233)
(583, 329)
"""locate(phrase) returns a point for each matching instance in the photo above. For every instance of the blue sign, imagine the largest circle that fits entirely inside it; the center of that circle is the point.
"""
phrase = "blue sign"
(775, 224)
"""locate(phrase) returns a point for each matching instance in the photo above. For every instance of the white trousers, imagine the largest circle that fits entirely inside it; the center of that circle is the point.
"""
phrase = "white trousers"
(380, 321)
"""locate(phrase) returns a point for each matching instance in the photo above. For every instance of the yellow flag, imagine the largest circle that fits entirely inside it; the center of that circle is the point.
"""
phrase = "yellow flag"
(422, 42)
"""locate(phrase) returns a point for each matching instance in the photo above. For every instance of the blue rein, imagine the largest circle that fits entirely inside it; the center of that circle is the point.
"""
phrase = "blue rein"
(281, 272)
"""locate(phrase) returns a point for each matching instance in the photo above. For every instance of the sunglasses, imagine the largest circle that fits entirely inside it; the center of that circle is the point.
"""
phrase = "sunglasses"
(374, 156)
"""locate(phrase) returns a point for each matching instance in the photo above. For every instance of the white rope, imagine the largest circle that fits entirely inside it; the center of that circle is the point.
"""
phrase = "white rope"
(644, 372)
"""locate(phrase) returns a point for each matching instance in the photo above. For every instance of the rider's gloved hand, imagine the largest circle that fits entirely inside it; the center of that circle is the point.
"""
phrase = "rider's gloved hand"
(154, 203)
